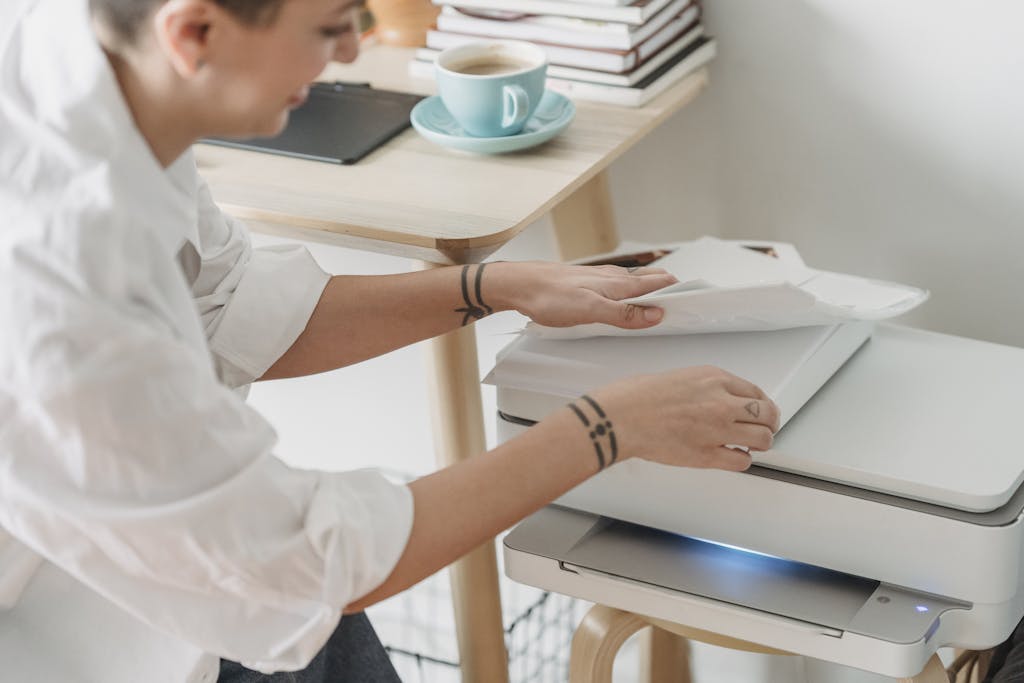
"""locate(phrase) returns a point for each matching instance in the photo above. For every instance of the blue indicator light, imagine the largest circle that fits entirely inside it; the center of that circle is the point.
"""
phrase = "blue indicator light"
(737, 548)
(921, 608)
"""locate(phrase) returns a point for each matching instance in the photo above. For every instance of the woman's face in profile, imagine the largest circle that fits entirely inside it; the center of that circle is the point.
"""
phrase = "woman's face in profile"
(260, 73)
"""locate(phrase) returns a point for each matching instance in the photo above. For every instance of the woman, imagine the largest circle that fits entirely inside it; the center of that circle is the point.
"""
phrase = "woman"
(136, 483)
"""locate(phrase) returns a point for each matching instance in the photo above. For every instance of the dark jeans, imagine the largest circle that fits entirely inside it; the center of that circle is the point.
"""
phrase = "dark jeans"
(1007, 665)
(352, 654)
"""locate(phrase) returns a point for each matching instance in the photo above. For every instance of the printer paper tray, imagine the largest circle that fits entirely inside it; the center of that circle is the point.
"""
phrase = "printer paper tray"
(833, 602)
(767, 584)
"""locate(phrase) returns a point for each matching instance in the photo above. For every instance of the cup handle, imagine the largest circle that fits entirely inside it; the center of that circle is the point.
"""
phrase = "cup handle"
(517, 106)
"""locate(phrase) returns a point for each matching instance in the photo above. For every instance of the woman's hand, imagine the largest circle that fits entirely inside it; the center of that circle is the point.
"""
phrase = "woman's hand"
(693, 417)
(560, 295)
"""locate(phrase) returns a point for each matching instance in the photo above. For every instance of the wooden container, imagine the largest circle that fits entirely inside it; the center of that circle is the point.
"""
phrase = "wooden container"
(403, 22)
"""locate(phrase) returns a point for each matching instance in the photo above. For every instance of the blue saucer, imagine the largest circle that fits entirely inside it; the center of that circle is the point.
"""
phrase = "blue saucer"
(431, 120)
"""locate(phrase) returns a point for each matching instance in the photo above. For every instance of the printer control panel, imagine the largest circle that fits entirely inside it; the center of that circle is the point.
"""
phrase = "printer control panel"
(900, 615)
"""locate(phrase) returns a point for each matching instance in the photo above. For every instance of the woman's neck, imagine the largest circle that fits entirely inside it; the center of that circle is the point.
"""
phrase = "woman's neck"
(153, 93)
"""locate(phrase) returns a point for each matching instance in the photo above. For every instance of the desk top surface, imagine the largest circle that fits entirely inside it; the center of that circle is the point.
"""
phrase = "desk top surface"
(412, 198)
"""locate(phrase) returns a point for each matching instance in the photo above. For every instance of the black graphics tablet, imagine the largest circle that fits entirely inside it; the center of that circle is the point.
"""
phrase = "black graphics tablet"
(340, 123)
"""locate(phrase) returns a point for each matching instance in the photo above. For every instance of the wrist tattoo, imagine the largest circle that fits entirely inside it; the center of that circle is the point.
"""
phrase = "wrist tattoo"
(601, 432)
(473, 311)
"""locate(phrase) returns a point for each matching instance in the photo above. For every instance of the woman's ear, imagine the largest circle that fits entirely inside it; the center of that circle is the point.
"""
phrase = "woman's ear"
(182, 29)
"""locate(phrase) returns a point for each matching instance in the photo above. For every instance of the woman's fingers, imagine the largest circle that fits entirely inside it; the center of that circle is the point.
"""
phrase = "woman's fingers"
(635, 285)
(733, 459)
(753, 436)
(757, 411)
(646, 270)
(737, 386)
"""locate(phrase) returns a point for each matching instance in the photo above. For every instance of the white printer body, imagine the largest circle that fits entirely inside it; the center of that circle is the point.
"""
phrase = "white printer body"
(898, 482)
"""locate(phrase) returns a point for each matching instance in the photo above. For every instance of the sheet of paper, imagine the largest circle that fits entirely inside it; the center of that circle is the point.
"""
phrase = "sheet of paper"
(726, 287)
(727, 264)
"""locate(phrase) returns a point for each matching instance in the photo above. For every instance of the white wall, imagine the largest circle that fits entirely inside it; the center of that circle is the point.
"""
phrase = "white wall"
(882, 138)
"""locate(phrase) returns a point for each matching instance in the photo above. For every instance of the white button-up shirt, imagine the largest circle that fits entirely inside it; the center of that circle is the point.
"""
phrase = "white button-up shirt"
(143, 516)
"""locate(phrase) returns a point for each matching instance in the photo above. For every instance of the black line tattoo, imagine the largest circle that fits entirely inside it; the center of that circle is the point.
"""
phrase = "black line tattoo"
(602, 433)
(580, 415)
(479, 280)
(473, 311)
(754, 408)
(593, 404)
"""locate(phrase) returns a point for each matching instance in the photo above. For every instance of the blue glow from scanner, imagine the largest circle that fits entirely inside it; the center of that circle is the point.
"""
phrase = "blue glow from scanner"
(746, 551)
(921, 608)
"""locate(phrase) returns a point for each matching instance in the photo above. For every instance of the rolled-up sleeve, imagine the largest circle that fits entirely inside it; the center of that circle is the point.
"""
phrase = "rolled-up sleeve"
(129, 465)
(254, 303)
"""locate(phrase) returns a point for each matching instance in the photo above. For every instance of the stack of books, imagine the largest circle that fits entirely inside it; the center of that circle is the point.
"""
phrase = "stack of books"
(617, 51)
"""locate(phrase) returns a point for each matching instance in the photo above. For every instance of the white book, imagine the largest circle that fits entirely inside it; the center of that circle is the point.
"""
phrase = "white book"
(593, 76)
(606, 3)
(609, 59)
(636, 12)
(694, 55)
(568, 31)
(612, 61)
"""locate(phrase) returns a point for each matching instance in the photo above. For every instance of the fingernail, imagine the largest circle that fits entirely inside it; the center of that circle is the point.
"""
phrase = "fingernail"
(653, 315)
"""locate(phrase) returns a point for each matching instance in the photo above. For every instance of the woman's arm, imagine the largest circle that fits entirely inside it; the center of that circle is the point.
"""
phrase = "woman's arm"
(685, 417)
(362, 316)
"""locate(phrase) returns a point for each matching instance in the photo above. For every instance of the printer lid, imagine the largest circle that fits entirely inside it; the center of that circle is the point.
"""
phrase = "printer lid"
(926, 416)
(915, 414)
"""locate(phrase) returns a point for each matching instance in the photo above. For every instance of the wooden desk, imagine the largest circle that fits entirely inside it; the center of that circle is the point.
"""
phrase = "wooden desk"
(440, 206)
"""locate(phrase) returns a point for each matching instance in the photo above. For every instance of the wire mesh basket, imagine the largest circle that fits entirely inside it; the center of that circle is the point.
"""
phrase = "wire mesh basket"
(418, 630)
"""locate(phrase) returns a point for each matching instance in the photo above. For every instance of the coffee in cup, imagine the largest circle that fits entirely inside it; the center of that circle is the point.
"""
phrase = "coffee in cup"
(492, 87)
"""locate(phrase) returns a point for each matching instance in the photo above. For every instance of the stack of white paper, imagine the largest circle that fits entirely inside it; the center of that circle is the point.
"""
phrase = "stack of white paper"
(726, 287)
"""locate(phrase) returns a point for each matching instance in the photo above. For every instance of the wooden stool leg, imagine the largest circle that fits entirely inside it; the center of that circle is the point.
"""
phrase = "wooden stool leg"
(933, 672)
(597, 640)
(664, 657)
(459, 434)
(584, 222)
(969, 666)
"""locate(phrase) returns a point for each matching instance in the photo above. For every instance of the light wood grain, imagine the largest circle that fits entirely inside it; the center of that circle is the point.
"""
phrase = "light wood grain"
(597, 640)
(403, 22)
(933, 672)
(459, 434)
(604, 629)
(664, 657)
(413, 198)
(584, 222)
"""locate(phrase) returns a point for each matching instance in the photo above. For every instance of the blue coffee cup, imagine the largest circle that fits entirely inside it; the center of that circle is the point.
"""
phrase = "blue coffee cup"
(491, 87)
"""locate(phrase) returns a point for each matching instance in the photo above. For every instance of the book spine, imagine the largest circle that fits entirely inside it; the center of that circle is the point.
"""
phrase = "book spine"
(598, 60)
(429, 55)
(486, 28)
(634, 96)
(626, 14)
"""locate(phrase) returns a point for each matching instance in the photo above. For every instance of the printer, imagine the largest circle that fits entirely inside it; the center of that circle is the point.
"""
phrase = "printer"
(885, 522)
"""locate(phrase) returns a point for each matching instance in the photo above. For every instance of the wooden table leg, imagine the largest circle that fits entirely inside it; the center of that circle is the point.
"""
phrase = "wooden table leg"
(933, 672)
(585, 222)
(459, 434)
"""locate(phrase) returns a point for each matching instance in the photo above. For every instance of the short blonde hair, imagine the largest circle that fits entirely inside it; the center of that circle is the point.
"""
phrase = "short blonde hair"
(124, 17)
